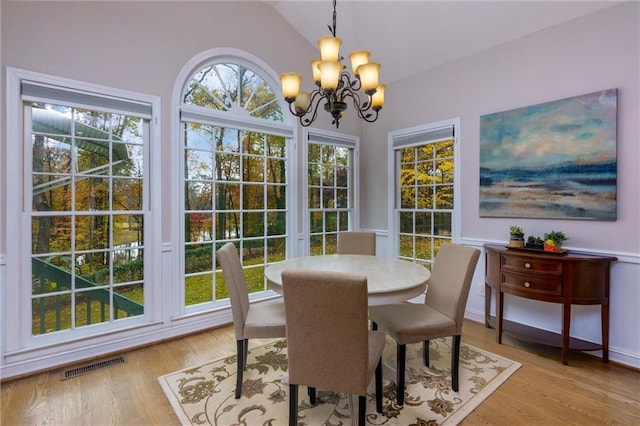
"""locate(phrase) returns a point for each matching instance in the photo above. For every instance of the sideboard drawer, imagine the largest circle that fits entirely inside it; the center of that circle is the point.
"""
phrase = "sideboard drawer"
(533, 285)
(531, 265)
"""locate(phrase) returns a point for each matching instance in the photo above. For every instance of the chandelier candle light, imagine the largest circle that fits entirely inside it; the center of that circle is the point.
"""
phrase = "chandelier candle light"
(335, 84)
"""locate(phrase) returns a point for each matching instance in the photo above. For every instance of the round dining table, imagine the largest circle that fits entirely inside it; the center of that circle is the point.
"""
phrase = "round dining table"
(389, 280)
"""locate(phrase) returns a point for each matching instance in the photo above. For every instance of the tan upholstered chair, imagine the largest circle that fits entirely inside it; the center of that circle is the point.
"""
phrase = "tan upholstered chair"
(357, 243)
(329, 343)
(249, 321)
(441, 315)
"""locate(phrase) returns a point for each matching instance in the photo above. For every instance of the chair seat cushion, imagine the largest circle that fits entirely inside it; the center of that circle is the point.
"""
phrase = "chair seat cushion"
(265, 321)
(411, 323)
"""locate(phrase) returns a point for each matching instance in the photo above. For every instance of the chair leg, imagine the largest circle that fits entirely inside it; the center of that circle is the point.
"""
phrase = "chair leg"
(455, 363)
(362, 409)
(379, 386)
(400, 362)
(293, 405)
(241, 362)
(312, 395)
(246, 353)
(425, 353)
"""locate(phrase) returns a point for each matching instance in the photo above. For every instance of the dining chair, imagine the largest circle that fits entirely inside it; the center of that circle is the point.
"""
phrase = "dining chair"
(441, 314)
(329, 343)
(357, 242)
(249, 321)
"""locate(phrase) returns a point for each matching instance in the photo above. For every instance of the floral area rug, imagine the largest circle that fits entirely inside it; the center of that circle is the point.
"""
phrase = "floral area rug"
(204, 394)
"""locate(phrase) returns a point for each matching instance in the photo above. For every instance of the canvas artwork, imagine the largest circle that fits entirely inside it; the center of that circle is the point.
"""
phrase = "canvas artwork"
(555, 160)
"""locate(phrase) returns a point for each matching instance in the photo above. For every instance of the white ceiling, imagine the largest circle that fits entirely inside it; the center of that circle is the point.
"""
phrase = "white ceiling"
(436, 31)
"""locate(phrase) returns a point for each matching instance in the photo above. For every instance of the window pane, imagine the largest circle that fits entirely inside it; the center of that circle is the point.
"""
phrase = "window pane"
(408, 194)
(198, 258)
(198, 289)
(50, 313)
(406, 222)
(90, 164)
(331, 222)
(50, 274)
(50, 234)
(92, 193)
(198, 227)
(277, 249)
(253, 197)
(276, 196)
(227, 196)
(253, 224)
(423, 223)
(127, 194)
(434, 166)
(253, 169)
(276, 223)
(92, 232)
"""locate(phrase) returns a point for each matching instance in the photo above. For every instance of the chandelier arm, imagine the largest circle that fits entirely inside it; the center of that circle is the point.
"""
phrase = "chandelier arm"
(363, 110)
(312, 109)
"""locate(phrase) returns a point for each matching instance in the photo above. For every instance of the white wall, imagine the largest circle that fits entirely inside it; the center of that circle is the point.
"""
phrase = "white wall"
(596, 52)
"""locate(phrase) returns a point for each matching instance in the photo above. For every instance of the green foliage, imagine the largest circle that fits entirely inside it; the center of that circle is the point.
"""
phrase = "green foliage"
(557, 237)
(534, 240)
(515, 230)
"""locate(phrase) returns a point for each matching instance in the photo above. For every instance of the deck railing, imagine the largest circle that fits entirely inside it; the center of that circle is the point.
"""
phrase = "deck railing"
(47, 272)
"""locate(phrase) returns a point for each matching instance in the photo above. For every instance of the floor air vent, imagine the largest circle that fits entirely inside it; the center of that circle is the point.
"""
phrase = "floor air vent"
(94, 366)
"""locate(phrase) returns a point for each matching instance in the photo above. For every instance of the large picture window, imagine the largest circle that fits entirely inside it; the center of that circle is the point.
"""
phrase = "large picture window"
(235, 151)
(85, 234)
(87, 216)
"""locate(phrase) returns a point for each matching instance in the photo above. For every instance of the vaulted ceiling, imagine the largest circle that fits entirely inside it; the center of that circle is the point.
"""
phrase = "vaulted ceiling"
(407, 37)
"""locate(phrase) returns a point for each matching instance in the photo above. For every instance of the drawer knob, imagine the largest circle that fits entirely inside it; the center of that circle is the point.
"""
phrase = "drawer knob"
(527, 265)
(527, 284)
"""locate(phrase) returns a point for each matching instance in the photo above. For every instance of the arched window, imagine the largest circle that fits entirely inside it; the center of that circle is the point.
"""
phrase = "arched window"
(234, 88)
(234, 150)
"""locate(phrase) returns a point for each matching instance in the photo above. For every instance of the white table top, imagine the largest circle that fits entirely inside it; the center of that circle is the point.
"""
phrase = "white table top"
(389, 280)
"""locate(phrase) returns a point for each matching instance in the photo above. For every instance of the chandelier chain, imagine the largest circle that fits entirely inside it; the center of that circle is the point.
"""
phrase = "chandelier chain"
(335, 19)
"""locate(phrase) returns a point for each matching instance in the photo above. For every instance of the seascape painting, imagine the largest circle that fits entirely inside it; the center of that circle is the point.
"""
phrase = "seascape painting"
(555, 160)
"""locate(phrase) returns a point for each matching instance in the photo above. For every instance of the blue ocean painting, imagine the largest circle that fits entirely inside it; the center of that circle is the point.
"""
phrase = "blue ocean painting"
(555, 160)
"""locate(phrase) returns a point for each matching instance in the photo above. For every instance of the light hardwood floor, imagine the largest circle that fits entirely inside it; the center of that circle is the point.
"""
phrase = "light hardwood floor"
(541, 392)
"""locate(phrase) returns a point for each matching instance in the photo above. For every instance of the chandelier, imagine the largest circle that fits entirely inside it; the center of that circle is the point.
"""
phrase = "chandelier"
(335, 84)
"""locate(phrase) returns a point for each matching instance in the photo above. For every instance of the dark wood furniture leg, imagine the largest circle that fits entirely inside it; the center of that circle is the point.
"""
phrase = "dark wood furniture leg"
(499, 308)
(487, 305)
(566, 331)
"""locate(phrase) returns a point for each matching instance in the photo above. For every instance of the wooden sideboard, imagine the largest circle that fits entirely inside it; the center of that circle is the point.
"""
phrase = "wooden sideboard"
(569, 278)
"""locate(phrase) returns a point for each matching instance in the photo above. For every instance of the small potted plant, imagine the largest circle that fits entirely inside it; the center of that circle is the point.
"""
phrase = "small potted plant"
(534, 242)
(516, 236)
(553, 241)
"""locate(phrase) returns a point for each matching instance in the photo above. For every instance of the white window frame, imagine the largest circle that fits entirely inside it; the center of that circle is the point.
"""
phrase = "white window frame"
(392, 196)
(286, 128)
(19, 340)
